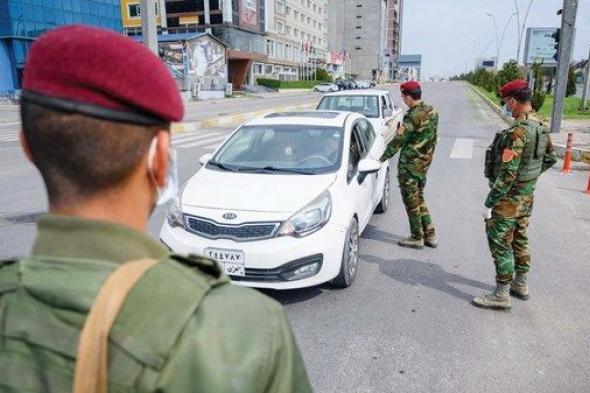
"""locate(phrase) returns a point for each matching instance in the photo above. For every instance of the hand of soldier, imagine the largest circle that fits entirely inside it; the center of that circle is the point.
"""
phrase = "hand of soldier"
(486, 213)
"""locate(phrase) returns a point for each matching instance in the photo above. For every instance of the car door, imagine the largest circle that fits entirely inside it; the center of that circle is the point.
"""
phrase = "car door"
(387, 114)
(375, 146)
(359, 192)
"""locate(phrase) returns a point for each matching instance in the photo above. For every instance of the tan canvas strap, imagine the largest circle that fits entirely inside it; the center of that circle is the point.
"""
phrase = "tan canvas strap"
(91, 360)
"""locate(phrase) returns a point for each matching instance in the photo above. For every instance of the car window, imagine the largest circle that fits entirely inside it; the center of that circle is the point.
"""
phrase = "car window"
(354, 154)
(365, 105)
(367, 133)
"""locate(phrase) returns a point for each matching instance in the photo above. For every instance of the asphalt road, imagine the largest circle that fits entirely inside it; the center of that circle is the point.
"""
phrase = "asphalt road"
(407, 325)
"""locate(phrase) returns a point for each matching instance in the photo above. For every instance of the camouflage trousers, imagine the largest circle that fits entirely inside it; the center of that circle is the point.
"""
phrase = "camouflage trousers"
(412, 190)
(507, 237)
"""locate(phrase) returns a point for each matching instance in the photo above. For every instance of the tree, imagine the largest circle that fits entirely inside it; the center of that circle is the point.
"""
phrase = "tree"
(538, 98)
(509, 72)
(571, 82)
(322, 75)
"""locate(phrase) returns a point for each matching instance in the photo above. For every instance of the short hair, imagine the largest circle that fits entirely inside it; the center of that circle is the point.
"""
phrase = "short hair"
(80, 156)
(415, 94)
(522, 96)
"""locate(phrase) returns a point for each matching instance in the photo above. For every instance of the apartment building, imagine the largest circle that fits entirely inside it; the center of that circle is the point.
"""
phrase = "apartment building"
(393, 38)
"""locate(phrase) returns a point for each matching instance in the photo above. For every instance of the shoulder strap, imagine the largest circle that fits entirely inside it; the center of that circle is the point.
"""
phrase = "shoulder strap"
(91, 362)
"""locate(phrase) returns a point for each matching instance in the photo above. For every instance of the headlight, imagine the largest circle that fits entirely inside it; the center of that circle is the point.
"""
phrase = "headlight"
(309, 219)
(175, 217)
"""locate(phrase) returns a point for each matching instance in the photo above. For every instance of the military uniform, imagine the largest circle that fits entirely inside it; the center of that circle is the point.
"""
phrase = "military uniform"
(183, 328)
(518, 156)
(416, 145)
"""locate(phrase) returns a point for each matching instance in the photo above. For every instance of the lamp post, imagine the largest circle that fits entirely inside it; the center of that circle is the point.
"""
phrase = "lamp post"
(498, 40)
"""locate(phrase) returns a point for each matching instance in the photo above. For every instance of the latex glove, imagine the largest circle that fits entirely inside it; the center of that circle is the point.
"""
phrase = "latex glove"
(486, 213)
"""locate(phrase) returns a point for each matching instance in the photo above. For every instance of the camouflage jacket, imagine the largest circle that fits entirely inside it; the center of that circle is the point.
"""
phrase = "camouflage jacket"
(416, 140)
(505, 190)
(183, 327)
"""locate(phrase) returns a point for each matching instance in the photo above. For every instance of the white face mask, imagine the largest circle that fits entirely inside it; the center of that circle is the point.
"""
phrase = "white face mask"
(170, 190)
(505, 111)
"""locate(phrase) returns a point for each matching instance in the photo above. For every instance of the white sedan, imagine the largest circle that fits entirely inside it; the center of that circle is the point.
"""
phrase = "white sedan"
(326, 87)
(282, 203)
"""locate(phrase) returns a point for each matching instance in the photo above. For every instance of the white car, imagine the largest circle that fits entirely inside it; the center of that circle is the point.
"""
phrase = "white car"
(326, 87)
(375, 105)
(282, 203)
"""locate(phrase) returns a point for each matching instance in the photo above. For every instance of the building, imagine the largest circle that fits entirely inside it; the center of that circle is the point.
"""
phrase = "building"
(240, 24)
(410, 67)
(359, 30)
(21, 21)
(394, 37)
(297, 39)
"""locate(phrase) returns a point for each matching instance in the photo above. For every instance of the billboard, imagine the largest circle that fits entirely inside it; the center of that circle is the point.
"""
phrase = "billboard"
(540, 46)
(249, 14)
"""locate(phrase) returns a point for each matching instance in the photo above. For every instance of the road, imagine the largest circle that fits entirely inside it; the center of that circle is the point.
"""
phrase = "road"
(407, 325)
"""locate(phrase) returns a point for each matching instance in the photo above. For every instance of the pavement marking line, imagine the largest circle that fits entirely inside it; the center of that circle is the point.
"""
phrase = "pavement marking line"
(194, 139)
(462, 149)
(193, 136)
(202, 142)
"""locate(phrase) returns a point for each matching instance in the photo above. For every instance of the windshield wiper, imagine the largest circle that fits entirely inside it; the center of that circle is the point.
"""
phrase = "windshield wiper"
(287, 170)
(221, 166)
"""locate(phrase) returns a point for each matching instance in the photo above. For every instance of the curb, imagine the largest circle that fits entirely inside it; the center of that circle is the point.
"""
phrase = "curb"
(235, 119)
(578, 154)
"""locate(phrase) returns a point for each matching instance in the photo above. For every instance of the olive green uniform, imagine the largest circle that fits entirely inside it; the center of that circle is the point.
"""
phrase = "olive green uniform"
(514, 162)
(183, 327)
(417, 144)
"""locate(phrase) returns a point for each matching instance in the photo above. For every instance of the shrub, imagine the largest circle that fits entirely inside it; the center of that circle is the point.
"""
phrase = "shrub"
(571, 82)
(271, 83)
(538, 100)
(323, 75)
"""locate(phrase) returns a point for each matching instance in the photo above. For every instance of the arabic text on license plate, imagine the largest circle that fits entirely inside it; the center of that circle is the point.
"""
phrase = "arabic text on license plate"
(231, 261)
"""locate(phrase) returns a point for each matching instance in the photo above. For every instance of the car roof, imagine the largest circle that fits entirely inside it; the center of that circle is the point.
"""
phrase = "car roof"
(367, 92)
(312, 117)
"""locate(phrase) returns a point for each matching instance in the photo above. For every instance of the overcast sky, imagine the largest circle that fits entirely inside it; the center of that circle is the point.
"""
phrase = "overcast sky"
(450, 34)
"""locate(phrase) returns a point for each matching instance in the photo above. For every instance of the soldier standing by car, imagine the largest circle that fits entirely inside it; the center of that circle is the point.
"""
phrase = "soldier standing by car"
(96, 124)
(514, 161)
(416, 141)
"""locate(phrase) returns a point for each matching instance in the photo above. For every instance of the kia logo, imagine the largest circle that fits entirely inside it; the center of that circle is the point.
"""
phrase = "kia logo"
(230, 216)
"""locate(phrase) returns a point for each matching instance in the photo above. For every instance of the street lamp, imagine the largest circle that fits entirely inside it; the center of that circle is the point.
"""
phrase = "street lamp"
(500, 41)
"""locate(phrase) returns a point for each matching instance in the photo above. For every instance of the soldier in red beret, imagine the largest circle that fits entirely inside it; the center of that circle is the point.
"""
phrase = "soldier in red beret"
(97, 296)
(416, 140)
(514, 161)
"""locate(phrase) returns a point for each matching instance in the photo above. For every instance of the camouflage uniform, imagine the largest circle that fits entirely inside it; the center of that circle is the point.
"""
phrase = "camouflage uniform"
(417, 143)
(512, 200)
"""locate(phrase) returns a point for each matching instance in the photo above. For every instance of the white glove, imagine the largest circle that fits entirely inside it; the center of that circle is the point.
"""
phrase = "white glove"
(486, 213)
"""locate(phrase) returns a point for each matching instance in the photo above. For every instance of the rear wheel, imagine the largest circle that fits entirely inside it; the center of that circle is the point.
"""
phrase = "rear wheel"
(384, 203)
(350, 257)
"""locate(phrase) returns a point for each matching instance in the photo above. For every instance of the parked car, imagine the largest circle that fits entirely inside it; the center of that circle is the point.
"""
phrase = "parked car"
(326, 87)
(342, 85)
(376, 105)
(282, 203)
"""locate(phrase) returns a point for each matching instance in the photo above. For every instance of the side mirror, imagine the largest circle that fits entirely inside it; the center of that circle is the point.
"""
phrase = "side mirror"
(205, 158)
(387, 113)
(366, 167)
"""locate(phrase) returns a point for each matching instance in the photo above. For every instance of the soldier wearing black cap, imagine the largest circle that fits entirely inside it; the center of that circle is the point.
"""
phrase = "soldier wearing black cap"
(97, 297)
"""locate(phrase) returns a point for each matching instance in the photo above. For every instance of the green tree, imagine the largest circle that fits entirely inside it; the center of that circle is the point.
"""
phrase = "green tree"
(538, 98)
(322, 75)
(571, 82)
(509, 72)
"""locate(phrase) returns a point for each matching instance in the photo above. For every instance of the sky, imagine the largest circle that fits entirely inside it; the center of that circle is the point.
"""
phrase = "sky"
(450, 34)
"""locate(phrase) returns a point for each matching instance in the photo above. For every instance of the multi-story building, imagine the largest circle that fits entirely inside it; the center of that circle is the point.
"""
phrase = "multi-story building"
(367, 32)
(410, 67)
(297, 39)
(21, 21)
(240, 24)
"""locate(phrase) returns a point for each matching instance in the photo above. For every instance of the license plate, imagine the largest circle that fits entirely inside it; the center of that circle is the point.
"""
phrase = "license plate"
(231, 261)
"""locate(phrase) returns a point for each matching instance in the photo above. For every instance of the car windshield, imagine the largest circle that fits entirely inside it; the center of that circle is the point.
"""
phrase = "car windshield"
(281, 149)
(366, 105)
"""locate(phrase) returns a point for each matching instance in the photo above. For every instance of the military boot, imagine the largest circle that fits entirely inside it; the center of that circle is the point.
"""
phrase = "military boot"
(519, 287)
(411, 242)
(431, 242)
(499, 299)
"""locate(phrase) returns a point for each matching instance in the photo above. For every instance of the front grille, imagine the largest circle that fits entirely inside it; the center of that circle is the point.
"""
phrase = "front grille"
(278, 274)
(242, 232)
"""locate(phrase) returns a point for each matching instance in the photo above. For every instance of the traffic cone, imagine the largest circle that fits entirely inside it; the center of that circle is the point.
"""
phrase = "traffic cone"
(567, 160)
(588, 187)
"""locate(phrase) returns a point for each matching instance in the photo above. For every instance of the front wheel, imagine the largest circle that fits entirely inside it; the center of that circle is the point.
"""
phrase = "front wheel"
(350, 257)
(384, 203)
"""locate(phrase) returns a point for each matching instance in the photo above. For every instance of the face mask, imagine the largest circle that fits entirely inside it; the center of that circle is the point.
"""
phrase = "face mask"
(170, 190)
(505, 111)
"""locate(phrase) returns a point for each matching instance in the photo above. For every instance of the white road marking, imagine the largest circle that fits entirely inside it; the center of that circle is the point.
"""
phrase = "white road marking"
(462, 149)
(202, 142)
(192, 136)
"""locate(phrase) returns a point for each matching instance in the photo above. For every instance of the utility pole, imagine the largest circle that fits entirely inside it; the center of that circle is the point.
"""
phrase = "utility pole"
(568, 22)
(584, 105)
(207, 10)
(148, 25)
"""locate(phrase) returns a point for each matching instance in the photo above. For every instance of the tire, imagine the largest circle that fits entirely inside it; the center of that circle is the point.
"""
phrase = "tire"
(385, 196)
(350, 257)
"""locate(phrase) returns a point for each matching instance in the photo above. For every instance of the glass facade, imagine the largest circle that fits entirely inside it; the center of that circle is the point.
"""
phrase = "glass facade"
(21, 21)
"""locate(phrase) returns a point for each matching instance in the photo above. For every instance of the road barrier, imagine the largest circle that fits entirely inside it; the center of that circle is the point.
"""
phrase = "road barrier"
(567, 160)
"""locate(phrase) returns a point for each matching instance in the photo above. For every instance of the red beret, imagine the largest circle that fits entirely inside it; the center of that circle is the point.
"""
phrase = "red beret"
(410, 86)
(100, 73)
(512, 87)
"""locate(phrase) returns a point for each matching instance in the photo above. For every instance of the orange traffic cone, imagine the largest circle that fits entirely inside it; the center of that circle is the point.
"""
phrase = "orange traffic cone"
(588, 187)
(567, 160)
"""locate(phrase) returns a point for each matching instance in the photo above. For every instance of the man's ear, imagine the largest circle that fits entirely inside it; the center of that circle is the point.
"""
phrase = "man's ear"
(161, 157)
(25, 146)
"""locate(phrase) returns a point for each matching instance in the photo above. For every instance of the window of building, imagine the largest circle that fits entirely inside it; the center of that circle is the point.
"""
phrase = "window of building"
(359, 5)
(302, 18)
(315, 8)
(359, 16)
(358, 37)
(296, 32)
(288, 29)
(288, 10)
(358, 48)
(320, 26)
(270, 48)
(257, 69)
(268, 70)
(308, 4)
(280, 50)
(302, 35)
(134, 10)
(359, 27)
(315, 24)
(280, 27)
(280, 6)
(288, 52)
(308, 20)
(296, 13)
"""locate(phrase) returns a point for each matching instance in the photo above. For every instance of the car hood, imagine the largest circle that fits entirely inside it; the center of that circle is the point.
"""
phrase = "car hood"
(213, 189)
